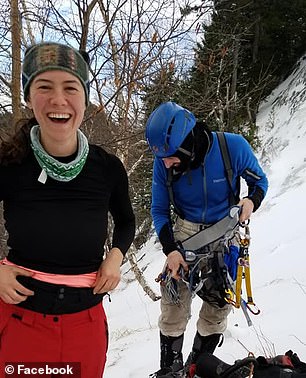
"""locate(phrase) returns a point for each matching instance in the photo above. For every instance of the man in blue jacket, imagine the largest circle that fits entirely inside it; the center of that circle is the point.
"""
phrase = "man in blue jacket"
(188, 159)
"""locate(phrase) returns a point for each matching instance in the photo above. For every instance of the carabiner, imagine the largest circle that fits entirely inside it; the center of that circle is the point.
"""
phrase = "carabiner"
(244, 223)
(254, 312)
(229, 296)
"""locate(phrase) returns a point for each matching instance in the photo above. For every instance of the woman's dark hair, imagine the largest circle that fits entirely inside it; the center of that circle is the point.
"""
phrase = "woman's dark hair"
(15, 145)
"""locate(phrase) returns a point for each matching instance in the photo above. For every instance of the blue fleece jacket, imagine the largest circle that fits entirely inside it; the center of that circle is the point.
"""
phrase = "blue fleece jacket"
(203, 193)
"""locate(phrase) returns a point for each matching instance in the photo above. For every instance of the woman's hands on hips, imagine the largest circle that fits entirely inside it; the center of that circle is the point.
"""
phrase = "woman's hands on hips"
(108, 276)
(11, 291)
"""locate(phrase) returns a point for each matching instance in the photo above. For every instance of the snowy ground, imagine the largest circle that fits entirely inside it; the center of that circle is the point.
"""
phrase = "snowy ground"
(277, 254)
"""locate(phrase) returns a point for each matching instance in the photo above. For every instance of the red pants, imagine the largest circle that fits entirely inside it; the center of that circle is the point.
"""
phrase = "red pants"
(27, 336)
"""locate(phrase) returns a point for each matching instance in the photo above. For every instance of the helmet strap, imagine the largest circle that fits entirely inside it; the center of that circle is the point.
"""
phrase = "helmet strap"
(185, 152)
(190, 154)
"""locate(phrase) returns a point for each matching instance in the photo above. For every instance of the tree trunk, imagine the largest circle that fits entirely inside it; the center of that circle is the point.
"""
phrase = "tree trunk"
(139, 275)
(16, 63)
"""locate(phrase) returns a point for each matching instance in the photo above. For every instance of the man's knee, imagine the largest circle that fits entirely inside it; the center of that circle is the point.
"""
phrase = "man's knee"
(212, 319)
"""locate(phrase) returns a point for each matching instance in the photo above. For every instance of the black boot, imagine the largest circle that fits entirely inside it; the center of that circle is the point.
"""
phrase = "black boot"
(171, 357)
(205, 344)
(202, 344)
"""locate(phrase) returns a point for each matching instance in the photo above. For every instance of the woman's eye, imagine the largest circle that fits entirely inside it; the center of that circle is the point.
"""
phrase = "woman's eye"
(71, 89)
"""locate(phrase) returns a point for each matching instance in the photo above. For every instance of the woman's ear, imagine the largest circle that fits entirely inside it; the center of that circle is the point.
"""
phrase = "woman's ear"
(29, 105)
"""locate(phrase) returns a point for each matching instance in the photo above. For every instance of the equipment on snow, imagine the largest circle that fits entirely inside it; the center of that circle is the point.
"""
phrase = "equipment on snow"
(283, 366)
(210, 366)
(288, 365)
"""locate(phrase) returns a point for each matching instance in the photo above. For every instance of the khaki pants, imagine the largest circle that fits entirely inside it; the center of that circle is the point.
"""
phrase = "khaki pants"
(174, 317)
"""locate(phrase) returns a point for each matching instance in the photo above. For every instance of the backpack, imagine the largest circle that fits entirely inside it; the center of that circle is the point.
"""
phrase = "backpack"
(282, 366)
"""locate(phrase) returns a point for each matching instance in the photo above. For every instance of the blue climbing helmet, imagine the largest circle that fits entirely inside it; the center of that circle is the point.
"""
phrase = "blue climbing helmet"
(167, 127)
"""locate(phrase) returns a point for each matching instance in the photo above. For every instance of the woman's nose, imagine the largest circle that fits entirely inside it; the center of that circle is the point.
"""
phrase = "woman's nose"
(58, 97)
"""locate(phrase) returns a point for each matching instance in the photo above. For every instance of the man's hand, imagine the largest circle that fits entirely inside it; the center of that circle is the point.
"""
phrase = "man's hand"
(108, 276)
(175, 261)
(11, 291)
(247, 207)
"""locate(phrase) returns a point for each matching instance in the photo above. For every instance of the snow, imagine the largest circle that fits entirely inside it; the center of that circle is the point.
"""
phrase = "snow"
(277, 256)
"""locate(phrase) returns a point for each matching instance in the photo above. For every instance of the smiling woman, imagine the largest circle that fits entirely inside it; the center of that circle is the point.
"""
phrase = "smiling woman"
(57, 191)
(58, 103)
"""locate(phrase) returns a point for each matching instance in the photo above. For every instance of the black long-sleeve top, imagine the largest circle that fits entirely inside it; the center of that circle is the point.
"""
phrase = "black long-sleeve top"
(61, 227)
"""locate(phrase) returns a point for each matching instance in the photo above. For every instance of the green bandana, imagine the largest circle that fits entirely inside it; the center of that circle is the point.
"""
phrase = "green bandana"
(54, 168)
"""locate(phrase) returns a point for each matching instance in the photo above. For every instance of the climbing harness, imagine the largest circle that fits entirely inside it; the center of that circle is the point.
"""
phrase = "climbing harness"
(208, 275)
